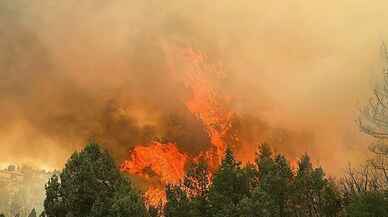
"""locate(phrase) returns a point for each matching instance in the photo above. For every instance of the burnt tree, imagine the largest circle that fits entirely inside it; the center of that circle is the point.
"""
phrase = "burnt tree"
(373, 121)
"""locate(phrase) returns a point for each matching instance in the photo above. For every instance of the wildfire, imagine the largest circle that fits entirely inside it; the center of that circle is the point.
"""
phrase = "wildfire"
(155, 195)
(166, 161)
(207, 105)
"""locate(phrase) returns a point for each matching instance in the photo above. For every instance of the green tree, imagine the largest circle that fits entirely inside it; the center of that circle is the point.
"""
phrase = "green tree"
(127, 202)
(368, 204)
(88, 182)
(272, 186)
(91, 185)
(230, 185)
(264, 162)
(313, 194)
(177, 202)
(54, 205)
(259, 203)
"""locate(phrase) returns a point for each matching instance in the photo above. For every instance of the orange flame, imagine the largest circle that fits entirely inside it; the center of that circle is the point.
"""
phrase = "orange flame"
(162, 160)
(155, 196)
(208, 105)
(165, 161)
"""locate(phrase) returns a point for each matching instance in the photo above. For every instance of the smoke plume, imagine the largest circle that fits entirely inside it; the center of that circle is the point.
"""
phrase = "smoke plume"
(74, 71)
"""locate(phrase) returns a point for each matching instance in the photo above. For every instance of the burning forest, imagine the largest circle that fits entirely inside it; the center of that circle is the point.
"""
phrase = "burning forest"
(206, 104)
(160, 163)
(193, 109)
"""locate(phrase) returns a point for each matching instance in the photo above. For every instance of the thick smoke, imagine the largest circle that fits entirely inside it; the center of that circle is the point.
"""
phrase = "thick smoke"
(75, 71)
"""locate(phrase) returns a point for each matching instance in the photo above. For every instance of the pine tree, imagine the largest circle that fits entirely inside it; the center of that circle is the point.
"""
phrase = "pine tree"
(368, 204)
(53, 204)
(313, 194)
(280, 185)
(127, 202)
(270, 195)
(88, 181)
(91, 185)
(229, 187)
(264, 161)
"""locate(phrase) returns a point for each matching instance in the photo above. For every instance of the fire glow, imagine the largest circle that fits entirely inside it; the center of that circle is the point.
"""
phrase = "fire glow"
(166, 161)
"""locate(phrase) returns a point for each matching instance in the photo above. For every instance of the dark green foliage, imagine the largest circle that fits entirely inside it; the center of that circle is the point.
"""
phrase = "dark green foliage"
(368, 204)
(313, 194)
(264, 161)
(269, 188)
(88, 182)
(260, 203)
(32, 213)
(91, 185)
(2, 215)
(230, 185)
(53, 204)
(126, 202)
(177, 202)
(271, 191)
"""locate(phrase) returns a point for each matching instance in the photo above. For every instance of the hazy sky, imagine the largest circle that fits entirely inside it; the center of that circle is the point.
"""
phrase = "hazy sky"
(68, 67)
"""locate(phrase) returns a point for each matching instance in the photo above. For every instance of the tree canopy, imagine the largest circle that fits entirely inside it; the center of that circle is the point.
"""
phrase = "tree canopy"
(91, 185)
